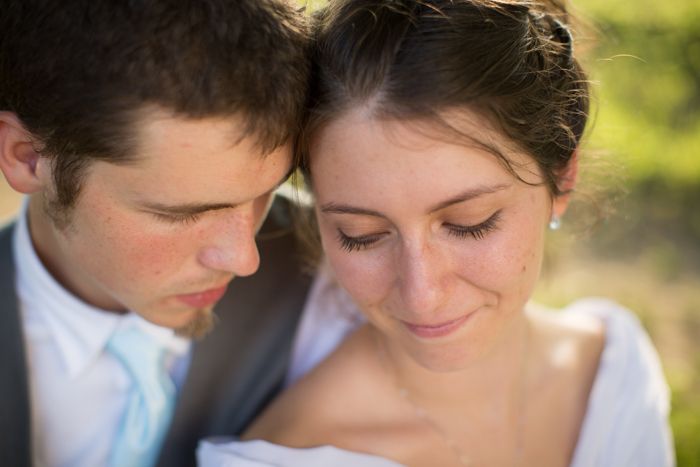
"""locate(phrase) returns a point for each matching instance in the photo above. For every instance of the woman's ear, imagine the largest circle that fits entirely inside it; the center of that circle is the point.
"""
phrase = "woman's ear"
(18, 158)
(566, 182)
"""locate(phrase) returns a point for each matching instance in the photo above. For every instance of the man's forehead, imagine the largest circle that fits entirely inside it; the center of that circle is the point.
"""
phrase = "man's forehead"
(158, 129)
(189, 185)
(185, 162)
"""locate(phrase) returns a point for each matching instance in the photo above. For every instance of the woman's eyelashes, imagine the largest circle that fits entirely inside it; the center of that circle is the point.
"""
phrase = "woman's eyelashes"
(477, 232)
(349, 243)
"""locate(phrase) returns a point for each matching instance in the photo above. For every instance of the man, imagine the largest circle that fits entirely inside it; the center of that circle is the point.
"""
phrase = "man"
(149, 137)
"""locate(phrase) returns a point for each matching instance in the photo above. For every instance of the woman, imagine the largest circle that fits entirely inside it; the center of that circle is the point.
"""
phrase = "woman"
(441, 142)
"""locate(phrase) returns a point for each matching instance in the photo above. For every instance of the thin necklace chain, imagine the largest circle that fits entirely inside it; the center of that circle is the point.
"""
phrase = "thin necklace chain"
(423, 415)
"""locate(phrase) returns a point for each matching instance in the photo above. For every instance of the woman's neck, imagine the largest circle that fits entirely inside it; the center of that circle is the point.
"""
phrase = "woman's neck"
(497, 376)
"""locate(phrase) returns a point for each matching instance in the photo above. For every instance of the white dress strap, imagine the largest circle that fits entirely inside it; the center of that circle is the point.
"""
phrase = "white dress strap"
(257, 453)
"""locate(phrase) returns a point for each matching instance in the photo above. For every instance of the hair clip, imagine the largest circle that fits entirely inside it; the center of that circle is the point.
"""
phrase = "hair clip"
(559, 32)
(562, 34)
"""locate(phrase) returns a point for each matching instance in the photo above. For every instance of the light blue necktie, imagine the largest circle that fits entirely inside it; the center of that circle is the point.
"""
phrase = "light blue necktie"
(151, 399)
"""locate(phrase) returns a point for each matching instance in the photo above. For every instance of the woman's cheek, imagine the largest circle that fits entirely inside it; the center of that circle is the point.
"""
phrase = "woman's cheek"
(497, 262)
(362, 273)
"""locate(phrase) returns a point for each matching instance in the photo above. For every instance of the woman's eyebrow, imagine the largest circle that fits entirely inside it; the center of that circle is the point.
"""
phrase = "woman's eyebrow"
(469, 194)
(335, 208)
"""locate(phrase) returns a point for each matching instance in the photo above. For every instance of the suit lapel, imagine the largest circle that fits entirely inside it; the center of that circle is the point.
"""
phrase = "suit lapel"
(15, 429)
(240, 366)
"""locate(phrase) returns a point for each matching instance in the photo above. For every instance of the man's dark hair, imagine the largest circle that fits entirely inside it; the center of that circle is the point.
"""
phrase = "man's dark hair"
(79, 73)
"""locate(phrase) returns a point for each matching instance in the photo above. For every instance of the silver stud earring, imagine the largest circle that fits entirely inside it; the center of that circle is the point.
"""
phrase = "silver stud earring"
(555, 223)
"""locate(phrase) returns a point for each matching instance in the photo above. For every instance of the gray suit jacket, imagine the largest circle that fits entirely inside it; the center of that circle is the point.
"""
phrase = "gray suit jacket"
(234, 372)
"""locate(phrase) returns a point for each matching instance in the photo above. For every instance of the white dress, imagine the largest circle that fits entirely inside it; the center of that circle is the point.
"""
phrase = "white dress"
(626, 423)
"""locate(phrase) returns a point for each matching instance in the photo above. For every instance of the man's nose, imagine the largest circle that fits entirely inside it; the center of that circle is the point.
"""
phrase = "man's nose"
(232, 247)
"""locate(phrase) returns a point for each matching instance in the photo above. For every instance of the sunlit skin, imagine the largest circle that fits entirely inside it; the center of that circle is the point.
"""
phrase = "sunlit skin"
(422, 232)
(180, 219)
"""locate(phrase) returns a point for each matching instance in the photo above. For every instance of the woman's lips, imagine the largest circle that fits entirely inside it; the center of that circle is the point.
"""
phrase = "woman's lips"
(204, 298)
(428, 331)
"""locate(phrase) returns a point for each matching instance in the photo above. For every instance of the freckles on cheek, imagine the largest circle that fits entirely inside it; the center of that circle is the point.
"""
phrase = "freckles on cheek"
(361, 277)
(152, 255)
(506, 262)
(525, 264)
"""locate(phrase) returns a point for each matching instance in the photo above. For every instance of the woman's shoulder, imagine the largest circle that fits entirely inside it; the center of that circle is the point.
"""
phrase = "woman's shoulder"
(320, 421)
(626, 420)
(570, 343)
(598, 323)
(609, 336)
(629, 364)
(628, 354)
(604, 360)
(334, 399)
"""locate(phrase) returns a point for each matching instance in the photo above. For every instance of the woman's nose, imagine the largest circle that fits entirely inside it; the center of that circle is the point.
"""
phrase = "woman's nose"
(422, 279)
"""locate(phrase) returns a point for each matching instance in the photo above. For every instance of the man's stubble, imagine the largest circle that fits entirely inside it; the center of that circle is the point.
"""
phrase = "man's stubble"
(199, 326)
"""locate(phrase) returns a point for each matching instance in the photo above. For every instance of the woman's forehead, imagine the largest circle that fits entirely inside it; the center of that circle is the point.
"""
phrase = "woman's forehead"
(457, 125)
(358, 133)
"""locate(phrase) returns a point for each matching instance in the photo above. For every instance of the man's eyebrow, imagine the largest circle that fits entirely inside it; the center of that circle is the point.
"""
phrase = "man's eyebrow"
(335, 208)
(189, 209)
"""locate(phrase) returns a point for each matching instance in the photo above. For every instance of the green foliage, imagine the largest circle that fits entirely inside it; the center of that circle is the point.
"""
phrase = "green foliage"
(685, 420)
(642, 12)
(647, 62)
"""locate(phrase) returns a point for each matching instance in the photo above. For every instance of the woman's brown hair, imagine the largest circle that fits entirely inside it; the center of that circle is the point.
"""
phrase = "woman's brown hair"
(511, 62)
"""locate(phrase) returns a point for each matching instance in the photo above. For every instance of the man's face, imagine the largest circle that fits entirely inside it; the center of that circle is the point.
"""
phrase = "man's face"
(163, 236)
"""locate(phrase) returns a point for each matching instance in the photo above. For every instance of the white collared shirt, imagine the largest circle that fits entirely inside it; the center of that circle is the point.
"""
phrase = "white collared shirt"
(78, 391)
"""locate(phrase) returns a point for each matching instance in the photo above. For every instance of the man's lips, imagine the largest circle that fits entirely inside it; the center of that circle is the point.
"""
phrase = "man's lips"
(428, 331)
(204, 298)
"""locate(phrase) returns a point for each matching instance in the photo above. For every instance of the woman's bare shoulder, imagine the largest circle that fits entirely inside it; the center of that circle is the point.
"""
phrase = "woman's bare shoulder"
(569, 347)
(573, 340)
(330, 400)
(566, 350)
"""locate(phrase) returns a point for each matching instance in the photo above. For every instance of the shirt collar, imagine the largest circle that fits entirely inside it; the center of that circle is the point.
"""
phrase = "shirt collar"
(81, 331)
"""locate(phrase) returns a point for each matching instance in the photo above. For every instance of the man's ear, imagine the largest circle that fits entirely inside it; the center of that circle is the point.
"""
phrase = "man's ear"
(19, 160)
(566, 182)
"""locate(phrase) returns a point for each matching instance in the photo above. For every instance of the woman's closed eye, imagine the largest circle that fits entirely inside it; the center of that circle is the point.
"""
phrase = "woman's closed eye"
(349, 243)
(478, 231)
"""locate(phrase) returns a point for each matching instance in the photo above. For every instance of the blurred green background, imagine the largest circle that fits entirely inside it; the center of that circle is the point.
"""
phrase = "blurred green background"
(643, 158)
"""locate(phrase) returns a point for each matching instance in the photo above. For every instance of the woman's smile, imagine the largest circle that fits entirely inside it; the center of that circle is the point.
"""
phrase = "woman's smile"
(435, 330)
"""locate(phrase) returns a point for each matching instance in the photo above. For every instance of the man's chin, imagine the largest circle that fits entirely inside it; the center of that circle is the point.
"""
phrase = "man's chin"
(199, 325)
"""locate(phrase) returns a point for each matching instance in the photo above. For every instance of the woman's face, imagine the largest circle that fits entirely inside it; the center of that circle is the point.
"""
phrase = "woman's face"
(438, 243)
